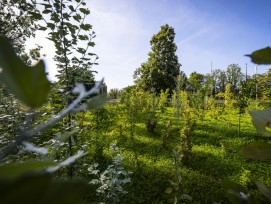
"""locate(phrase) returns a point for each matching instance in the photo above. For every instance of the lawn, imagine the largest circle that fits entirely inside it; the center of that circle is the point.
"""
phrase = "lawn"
(215, 157)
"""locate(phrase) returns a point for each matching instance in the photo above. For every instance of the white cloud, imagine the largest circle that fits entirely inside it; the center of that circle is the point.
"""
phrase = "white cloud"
(121, 42)
(125, 27)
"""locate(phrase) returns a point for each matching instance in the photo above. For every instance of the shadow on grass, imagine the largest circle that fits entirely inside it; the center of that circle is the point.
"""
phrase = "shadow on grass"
(150, 182)
(210, 165)
(210, 133)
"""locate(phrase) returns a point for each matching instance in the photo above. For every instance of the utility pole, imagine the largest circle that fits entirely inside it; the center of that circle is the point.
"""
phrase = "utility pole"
(246, 72)
(256, 84)
(211, 67)
(211, 75)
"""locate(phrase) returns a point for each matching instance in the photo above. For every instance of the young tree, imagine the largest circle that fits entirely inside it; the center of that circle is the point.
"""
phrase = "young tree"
(242, 101)
(162, 66)
(72, 37)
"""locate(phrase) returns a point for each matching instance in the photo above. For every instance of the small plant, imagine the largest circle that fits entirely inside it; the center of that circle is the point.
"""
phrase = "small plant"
(110, 182)
(166, 133)
(176, 188)
(163, 101)
(245, 177)
(185, 133)
(151, 121)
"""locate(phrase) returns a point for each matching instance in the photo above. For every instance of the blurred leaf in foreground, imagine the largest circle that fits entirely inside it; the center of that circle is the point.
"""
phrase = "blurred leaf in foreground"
(264, 189)
(262, 56)
(257, 150)
(238, 194)
(28, 84)
(261, 119)
(42, 189)
(9, 171)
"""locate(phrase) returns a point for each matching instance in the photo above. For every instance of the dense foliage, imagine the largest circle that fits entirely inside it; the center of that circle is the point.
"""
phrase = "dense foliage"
(167, 139)
(162, 66)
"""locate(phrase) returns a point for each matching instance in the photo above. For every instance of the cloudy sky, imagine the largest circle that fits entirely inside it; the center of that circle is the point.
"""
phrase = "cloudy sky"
(220, 32)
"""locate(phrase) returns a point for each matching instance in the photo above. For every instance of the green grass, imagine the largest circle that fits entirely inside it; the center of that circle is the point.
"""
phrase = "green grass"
(215, 157)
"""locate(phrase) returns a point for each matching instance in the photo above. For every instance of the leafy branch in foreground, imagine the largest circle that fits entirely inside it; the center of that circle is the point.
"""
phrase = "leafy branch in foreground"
(257, 150)
(65, 22)
(71, 108)
(30, 85)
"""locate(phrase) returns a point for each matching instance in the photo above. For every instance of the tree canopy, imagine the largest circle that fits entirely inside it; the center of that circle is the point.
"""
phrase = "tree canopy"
(162, 66)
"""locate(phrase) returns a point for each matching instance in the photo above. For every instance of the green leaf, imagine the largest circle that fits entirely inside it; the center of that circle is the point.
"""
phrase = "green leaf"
(94, 103)
(261, 119)
(47, 6)
(9, 171)
(66, 16)
(42, 28)
(238, 194)
(28, 84)
(81, 50)
(42, 189)
(91, 44)
(77, 17)
(46, 11)
(257, 150)
(83, 37)
(71, 8)
(98, 101)
(262, 56)
(85, 27)
(35, 15)
(51, 25)
(84, 11)
(57, 5)
(55, 18)
(264, 189)
(168, 190)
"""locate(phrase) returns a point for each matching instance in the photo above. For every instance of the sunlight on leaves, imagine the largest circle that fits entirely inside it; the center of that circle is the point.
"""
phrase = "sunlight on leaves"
(168, 190)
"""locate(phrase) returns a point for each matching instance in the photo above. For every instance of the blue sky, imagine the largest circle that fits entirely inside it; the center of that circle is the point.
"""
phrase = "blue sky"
(217, 31)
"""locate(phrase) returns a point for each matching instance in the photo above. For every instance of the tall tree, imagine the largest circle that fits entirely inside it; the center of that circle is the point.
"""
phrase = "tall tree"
(162, 66)
(196, 81)
(234, 76)
(222, 81)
